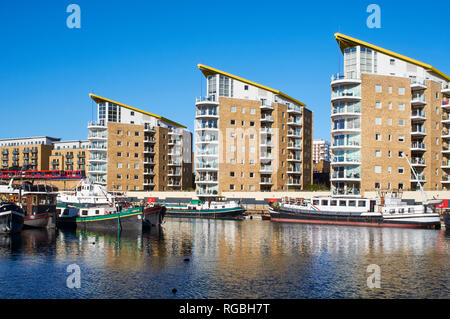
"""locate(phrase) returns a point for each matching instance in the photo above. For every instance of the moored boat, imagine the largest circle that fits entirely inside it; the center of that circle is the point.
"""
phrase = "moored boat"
(11, 218)
(388, 210)
(36, 201)
(219, 209)
(91, 207)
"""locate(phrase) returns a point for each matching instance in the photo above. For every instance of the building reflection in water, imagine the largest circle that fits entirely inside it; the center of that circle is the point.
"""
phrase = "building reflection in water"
(250, 258)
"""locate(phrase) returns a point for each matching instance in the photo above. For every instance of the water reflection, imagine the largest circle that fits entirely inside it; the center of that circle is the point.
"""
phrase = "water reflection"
(229, 259)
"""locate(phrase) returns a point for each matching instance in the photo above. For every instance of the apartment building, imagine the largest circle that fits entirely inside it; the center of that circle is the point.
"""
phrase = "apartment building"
(29, 153)
(132, 149)
(250, 137)
(69, 156)
(386, 105)
(321, 151)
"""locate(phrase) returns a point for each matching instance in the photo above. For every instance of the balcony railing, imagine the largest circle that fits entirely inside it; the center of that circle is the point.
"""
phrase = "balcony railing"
(345, 76)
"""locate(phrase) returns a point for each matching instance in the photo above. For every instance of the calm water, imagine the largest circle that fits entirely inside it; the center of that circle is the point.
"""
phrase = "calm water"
(228, 259)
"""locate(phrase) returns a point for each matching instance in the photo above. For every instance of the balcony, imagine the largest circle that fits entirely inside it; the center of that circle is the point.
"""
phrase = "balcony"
(445, 119)
(206, 179)
(294, 159)
(294, 146)
(206, 127)
(347, 145)
(149, 128)
(294, 171)
(266, 156)
(94, 158)
(266, 105)
(418, 84)
(266, 169)
(174, 163)
(420, 178)
(446, 104)
(266, 130)
(97, 137)
(97, 147)
(445, 134)
(341, 161)
(149, 151)
(148, 182)
(206, 114)
(418, 99)
(149, 172)
(265, 181)
(294, 182)
(346, 129)
(97, 125)
(149, 161)
(418, 147)
(446, 89)
(206, 167)
(294, 121)
(418, 131)
(266, 144)
(266, 118)
(173, 183)
(348, 111)
(345, 78)
(150, 140)
(293, 109)
(418, 161)
(348, 96)
(206, 100)
(418, 116)
(345, 192)
(206, 192)
(345, 176)
(294, 134)
(445, 164)
(174, 173)
(445, 178)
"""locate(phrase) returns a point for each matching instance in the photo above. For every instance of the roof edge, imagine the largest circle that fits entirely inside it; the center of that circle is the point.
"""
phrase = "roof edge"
(207, 70)
(98, 99)
(340, 36)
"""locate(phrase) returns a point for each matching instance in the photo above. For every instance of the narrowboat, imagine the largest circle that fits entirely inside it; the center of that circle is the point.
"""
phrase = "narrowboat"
(11, 218)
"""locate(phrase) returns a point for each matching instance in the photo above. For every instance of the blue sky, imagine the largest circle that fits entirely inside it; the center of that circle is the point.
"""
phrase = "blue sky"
(145, 54)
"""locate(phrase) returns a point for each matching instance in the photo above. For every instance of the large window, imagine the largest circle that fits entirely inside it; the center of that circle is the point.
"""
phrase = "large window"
(350, 60)
(113, 113)
(366, 60)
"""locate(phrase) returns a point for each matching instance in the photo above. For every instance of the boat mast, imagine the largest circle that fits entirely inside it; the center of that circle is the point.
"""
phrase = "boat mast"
(424, 195)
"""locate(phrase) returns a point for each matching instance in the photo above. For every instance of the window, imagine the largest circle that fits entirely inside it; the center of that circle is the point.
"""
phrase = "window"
(119, 154)
(136, 176)
(352, 203)
(119, 143)
(132, 113)
(252, 111)
(389, 137)
(252, 136)
(437, 141)
(377, 185)
(136, 144)
(378, 120)
(252, 175)
(377, 169)
(324, 202)
(252, 150)
(377, 153)
(243, 110)
(252, 123)
(136, 133)
(251, 187)
(401, 138)
(136, 155)
(242, 123)
(333, 202)
(246, 87)
(401, 122)
(232, 148)
(361, 203)
(392, 61)
(378, 105)
(390, 105)
(378, 137)
(400, 154)
(119, 176)
(390, 89)
(232, 122)
(378, 88)
(136, 166)
(401, 107)
(342, 203)
(119, 165)
(232, 187)
(389, 169)
(389, 123)
(401, 170)
(401, 91)
(233, 109)
(400, 185)
(232, 174)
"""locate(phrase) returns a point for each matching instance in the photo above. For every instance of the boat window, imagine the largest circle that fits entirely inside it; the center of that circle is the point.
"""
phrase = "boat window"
(97, 211)
(315, 202)
(362, 203)
(66, 212)
(342, 203)
(333, 203)
(392, 211)
(401, 210)
(84, 212)
(324, 202)
(410, 210)
(352, 203)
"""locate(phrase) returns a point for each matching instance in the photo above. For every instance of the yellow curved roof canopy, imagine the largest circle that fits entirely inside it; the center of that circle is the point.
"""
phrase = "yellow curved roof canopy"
(345, 41)
(206, 70)
(99, 99)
